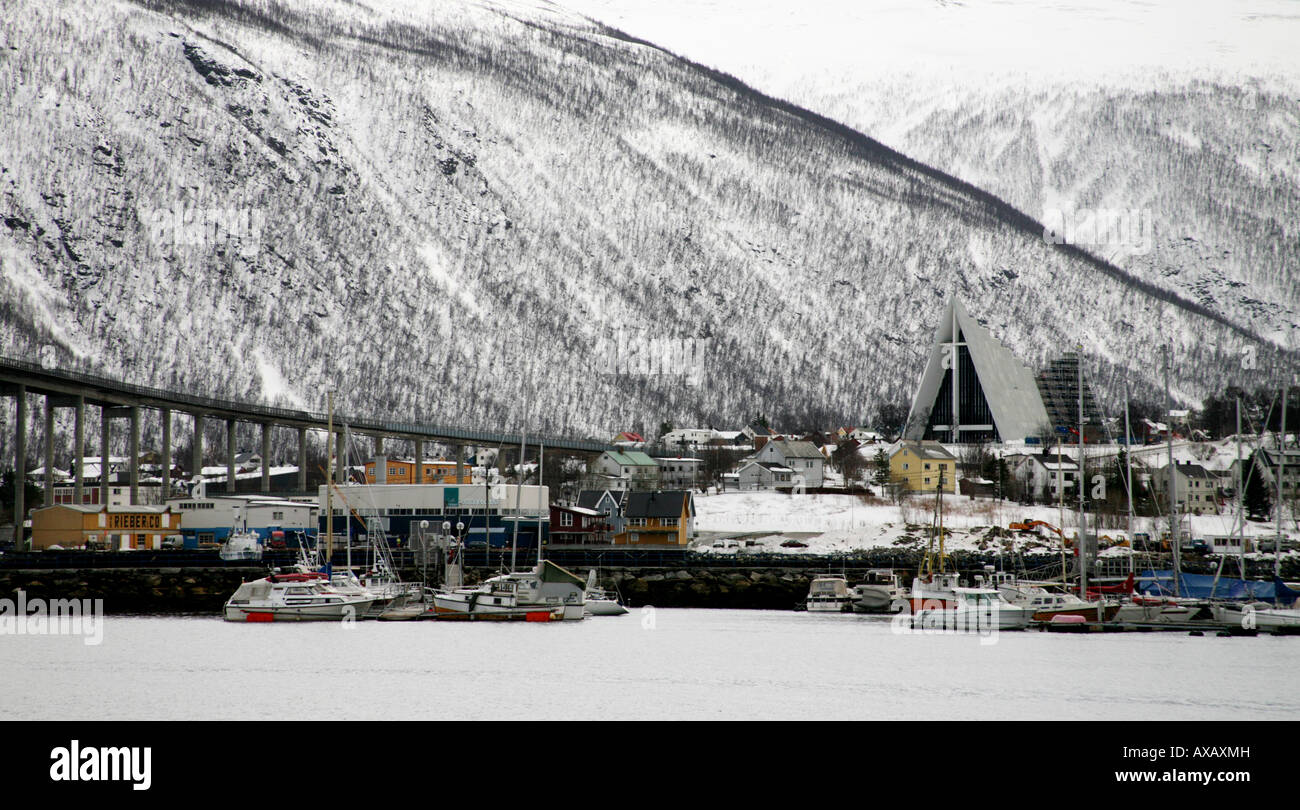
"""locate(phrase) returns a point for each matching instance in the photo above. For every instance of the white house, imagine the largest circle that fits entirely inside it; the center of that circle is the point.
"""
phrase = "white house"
(802, 457)
(757, 475)
(1040, 475)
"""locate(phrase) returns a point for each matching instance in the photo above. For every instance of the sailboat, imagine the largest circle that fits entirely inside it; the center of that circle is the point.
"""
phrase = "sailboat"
(1263, 616)
(600, 602)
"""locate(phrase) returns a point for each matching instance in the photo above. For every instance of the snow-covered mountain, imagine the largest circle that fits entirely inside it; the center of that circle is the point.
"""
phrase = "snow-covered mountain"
(506, 215)
(1187, 111)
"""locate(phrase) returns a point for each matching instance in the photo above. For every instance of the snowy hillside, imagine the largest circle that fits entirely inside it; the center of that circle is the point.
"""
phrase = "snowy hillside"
(472, 213)
(1183, 109)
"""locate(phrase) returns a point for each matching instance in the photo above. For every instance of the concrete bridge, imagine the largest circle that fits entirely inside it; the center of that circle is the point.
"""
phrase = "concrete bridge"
(117, 400)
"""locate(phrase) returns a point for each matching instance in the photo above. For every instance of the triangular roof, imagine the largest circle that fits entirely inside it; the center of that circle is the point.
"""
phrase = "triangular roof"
(1008, 385)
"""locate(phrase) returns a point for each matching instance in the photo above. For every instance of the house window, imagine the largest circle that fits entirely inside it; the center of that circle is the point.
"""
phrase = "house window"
(636, 521)
(566, 519)
(670, 522)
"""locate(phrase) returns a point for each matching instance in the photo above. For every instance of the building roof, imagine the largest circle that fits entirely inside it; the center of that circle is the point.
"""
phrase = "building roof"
(631, 458)
(767, 465)
(927, 449)
(657, 504)
(789, 448)
(588, 498)
(1009, 387)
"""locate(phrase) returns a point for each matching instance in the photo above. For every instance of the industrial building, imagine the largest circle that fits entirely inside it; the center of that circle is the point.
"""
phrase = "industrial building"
(116, 528)
(385, 470)
(210, 519)
(399, 509)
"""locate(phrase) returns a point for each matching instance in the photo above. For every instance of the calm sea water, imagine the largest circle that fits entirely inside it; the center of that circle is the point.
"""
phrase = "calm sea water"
(684, 664)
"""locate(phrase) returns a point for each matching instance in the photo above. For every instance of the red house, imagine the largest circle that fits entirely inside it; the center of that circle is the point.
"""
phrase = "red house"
(577, 524)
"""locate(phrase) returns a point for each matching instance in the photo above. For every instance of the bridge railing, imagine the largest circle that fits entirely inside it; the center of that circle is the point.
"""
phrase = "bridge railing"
(271, 412)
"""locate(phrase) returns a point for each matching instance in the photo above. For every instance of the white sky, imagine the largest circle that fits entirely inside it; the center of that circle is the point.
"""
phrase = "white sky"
(792, 40)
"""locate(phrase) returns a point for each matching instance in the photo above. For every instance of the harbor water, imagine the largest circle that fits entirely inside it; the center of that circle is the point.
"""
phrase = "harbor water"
(650, 664)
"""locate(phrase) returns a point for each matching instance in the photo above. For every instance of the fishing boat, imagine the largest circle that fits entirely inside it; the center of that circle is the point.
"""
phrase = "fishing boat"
(292, 597)
(492, 601)
(547, 585)
(829, 593)
(241, 545)
(971, 609)
(546, 590)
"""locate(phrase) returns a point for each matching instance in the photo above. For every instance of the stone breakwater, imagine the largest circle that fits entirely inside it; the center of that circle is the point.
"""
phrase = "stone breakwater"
(133, 590)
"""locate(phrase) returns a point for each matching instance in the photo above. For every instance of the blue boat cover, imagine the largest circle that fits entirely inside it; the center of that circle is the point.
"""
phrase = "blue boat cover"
(1202, 586)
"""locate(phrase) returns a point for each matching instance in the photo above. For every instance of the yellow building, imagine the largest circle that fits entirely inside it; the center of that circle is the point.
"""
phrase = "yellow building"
(383, 470)
(657, 518)
(112, 527)
(918, 466)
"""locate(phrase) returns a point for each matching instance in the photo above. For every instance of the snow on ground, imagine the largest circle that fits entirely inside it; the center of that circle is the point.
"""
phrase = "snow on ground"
(837, 524)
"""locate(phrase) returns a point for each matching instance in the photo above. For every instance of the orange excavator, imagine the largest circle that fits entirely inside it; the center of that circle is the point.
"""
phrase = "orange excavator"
(1032, 525)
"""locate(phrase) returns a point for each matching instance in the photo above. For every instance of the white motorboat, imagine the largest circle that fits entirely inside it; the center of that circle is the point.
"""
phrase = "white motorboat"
(829, 594)
(970, 609)
(1260, 616)
(1046, 604)
(880, 592)
(293, 597)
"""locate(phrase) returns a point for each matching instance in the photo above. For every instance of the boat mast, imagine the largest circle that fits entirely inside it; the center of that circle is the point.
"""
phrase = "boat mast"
(1128, 481)
(1083, 491)
(519, 491)
(1281, 473)
(1241, 500)
(329, 484)
(1173, 480)
(541, 454)
(1060, 510)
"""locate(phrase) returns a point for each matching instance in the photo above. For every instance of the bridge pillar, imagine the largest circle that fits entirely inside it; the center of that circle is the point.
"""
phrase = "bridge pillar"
(379, 445)
(232, 485)
(49, 450)
(134, 450)
(79, 451)
(459, 452)
(419, 461)
(20, 466)
(196, 451)
(166, 414)
(105, 440)
(302, 459)
(266, 456)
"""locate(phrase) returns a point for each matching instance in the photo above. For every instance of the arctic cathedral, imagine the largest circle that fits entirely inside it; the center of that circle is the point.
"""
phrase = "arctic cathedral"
(975, 390)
